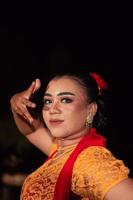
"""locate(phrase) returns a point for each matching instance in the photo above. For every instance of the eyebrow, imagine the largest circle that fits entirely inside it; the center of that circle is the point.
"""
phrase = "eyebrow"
(60, 94)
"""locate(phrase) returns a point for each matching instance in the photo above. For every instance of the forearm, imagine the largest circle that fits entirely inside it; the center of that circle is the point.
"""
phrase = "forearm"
(42, 139)
(36, 133)
(122, 191)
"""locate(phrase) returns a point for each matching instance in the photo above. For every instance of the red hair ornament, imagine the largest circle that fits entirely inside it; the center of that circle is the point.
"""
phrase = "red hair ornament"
(102, 84)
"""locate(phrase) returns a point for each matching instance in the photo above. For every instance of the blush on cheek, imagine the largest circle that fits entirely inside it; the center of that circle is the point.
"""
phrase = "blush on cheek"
(46, 108)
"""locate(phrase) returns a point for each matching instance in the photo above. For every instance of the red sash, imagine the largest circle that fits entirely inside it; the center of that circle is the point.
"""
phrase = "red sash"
(63, 184)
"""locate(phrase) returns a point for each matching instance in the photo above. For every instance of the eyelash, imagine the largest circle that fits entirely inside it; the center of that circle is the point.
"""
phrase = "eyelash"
(46, 100)
(49, 101)
(67, 100)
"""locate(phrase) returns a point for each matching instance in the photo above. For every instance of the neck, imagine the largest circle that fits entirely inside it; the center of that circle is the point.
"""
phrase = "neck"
(73, 139)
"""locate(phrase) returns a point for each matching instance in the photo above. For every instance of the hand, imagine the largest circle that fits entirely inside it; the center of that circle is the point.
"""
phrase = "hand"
(21, 101)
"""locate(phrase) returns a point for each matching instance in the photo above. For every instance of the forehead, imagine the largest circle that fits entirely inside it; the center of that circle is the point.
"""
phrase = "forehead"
(65, 84)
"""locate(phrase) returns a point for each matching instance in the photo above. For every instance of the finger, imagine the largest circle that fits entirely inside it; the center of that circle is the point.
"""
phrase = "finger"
(23, 112)
(29, 91)
(27, 115)
(28, 103)
(37, 85)
(20, 112)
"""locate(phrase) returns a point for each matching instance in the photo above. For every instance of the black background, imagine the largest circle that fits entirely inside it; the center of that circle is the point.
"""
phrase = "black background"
(36, 40)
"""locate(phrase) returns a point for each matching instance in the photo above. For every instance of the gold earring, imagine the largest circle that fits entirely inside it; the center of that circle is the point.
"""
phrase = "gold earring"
(89, 120)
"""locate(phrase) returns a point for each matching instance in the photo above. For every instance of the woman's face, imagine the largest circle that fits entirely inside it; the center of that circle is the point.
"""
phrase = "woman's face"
(65, 108)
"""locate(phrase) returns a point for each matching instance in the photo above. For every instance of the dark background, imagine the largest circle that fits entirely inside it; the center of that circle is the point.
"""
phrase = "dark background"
(36, 40)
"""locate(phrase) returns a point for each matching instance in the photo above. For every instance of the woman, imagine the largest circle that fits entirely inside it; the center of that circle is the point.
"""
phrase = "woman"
(79, 166)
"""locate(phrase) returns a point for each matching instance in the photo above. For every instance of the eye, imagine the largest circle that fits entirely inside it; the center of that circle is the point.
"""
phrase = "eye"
(66, 100)
(47, 101)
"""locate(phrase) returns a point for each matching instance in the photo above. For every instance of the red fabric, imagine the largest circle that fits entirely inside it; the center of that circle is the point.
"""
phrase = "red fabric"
(63, 185)
(102, 84)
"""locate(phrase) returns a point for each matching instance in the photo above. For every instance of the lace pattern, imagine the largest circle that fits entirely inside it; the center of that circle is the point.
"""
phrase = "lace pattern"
(95, 171)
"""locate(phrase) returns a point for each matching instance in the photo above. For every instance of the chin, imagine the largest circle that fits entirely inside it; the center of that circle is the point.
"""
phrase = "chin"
(58, 134)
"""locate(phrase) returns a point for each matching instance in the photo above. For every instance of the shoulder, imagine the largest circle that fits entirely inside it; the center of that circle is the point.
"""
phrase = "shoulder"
(99, 158)
(98, 168)
(95, 153)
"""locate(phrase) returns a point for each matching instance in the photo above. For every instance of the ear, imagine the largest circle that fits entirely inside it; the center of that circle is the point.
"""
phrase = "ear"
(92, 108)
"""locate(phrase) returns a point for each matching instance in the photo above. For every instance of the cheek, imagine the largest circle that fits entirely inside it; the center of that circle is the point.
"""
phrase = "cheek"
(75, 121)
(77, 108)
(76, 112)
(45, 116)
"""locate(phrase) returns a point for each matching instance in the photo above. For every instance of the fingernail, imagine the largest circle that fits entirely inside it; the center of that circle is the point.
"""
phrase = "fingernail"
(33, 105)
(31, 120)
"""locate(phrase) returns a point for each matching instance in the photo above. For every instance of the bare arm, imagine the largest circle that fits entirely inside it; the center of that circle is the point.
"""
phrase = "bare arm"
(31, 127)
(121, 191)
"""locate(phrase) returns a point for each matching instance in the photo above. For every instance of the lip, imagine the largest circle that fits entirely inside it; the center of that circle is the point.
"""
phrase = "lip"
(55, 122)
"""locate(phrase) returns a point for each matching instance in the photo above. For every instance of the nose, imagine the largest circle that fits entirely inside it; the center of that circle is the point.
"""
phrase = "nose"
(54, 108)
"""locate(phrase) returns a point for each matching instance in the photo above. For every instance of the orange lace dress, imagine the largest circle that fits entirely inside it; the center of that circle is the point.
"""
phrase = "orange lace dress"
(95, 171)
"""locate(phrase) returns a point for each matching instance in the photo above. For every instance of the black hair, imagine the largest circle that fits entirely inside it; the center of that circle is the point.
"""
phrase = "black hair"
(89, 84)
